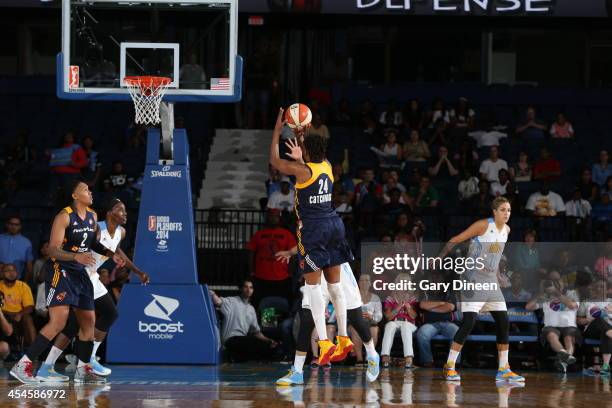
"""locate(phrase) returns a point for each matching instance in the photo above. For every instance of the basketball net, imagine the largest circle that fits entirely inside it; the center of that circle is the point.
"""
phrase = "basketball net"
(147, 93)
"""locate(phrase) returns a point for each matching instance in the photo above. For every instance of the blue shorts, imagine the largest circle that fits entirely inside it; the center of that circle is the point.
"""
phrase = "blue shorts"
(321, 244)
(69, 286)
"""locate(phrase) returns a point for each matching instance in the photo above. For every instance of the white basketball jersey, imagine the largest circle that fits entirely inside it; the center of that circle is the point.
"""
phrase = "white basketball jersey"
(349, 285)
(489, 247)
(109, 242)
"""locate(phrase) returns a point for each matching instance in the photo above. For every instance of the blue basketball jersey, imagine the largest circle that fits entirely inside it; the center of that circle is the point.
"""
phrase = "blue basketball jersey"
(313, 198)
(79, 235)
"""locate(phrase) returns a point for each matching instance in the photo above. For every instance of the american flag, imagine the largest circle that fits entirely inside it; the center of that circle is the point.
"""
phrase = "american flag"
(220, 84)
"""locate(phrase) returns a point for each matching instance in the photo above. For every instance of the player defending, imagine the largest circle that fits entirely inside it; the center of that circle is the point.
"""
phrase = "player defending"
(321, 237)
(73, 236)
(355, 318)
(488, 238)
(110, 234)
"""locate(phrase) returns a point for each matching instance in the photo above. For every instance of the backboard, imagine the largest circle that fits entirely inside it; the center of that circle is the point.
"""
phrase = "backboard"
(192, 42)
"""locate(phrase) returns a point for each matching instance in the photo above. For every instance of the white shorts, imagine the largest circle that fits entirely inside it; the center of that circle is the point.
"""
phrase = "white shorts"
(99, 289)
(478, 307)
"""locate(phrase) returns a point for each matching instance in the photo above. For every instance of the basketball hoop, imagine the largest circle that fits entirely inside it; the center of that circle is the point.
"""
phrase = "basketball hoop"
(147, 93)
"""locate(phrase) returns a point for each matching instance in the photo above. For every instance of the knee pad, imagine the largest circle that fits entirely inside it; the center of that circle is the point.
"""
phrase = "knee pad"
(355, 319)
(469, 320)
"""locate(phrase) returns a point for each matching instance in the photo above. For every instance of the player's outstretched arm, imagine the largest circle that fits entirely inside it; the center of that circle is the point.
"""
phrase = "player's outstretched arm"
(144, 277)
(299, 170)
(474, 230)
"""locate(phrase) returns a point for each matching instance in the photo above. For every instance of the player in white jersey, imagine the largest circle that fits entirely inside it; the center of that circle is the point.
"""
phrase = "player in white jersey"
(488, 238)
(110, 234)
(355, 318)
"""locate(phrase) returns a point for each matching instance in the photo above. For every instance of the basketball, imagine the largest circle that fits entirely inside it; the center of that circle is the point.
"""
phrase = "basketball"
(298, 116)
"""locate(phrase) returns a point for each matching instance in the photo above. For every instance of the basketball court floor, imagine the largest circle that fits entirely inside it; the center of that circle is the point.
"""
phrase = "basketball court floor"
(251, 385)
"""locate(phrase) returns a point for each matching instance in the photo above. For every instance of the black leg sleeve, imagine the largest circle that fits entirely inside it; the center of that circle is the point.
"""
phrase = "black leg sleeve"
(502, 326)
(306, 327)
(355, 319)
(469, 320)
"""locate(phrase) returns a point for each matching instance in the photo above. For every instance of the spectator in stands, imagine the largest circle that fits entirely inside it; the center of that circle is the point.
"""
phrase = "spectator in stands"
(438, 317)
(442, 168)
(270, 275)
(578, 212)
(521, 171)
(562, 128)
(438, 111)
(462, 116)
(516, 293)
(392, 151)
(602, 170)
(500, 187)
(370, 131)
(240, 332)
(342, 115)
(466, 157)
(343, 206)
(192, 74)
(6, 331)
(371, 310)
(38, 269)
(402, 223)
(547, 168)
(16, 249)
(413, 116)
(603, 264)
(588, 189)
(395, 206)
(527, 259)
(489, 168)
(66, 162)
(118, 179)
(392, 117)
(368, 193)
(480, 204)
(400, 310)
(318, 127)
(545, 203)
(93, 171)
(438, 135)
(425, 196)
(273, 181)
(532, 127)
(468, 186)
(560, 330)
(391, 183)
(283, 200)
(596, 315)
(18, 302)
(602, 214)
(415, 149)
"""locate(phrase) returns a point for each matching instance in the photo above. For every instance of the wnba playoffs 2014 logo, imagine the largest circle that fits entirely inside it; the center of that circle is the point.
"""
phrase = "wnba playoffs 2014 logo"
(162, 226)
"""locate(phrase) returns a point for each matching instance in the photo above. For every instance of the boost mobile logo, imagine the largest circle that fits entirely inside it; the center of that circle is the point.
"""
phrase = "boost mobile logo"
(161, 307)
(165, 172)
